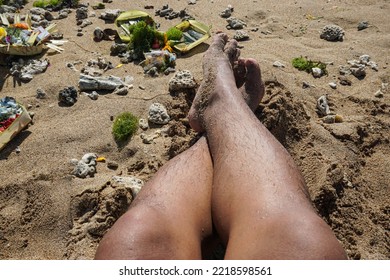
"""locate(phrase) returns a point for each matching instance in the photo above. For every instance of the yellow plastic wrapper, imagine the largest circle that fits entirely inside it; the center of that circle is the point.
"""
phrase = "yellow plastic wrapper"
(194, 34)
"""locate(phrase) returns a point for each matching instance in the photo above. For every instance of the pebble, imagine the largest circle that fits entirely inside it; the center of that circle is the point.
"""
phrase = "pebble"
(182, 80)
(344, 81)
(332, 119)
(112, 165)
(68, 96)
(379, 94)
(93, 95)
(158, 114)
(81, 13)
(333, 85)
(234, 23)
(362, 25)
(17, 150)
(121, 90)
(141, 87)
(143, 124)
(98, 34)
(148, 139)
(278, 64)
(241, 35)
(322, 105)
(110, 15)
(41, 94)
(226, 13)
(317, 72)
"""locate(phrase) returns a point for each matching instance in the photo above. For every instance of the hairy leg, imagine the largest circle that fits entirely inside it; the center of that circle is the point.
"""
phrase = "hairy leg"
(260, 204)
(170, 216)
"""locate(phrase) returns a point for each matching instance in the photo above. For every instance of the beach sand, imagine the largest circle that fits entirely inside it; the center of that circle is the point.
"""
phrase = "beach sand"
(47, 213)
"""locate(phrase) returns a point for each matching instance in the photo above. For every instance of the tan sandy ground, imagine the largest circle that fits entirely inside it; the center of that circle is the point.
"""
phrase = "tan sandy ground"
(45, 213)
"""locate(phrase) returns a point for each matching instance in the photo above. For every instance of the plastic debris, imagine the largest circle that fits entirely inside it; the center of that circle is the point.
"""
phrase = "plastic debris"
(13, 119)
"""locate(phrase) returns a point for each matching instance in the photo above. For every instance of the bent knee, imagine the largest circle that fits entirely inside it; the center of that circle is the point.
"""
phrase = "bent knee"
(306, 236)
(141, 233)
(288, 236)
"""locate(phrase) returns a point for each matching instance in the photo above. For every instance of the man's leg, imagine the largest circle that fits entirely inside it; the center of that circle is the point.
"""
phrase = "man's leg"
(260, 204)
(176, 204)
(170, 216)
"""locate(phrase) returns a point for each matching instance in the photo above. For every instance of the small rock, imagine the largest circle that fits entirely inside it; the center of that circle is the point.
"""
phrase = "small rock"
(234, 23)
(117, 48)
(332, 33)
(333, 85)
(81, 13)
(359, 71)
(41, 94)
(121, 90)
(322, 105)
(332, 119)
(143, 124)
(364, 59)
(379, 94)
(226, 13)
(181, 81)
(344, 81)
(68, 96)
(158, 114)
(112, 165)
(191, 2)
(93, 95)
(241, 35)
(141, 87)
(110, 15)
(98, 34)
(85, 23)
(317, 72)
(278, 64)
(305, 84)
(17, 150)
(362, 25)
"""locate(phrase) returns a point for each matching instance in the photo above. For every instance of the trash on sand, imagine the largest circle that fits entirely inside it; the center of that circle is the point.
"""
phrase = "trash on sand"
(20, 38)
(194, 33)
(13, 118)
(159, 59)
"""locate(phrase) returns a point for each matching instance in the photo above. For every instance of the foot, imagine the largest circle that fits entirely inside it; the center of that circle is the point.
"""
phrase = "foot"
(225, 74)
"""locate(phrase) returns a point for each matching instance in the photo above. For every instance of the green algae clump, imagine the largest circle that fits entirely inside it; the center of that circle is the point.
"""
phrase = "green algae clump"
(304, 64)
(124, 127)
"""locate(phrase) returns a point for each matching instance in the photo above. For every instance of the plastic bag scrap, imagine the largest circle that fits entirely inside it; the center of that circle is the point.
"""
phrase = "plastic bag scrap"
(20, 39)
(159, 59)
(13, 118)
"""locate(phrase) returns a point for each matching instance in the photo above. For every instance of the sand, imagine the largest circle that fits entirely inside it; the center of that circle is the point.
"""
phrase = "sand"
(46, 213)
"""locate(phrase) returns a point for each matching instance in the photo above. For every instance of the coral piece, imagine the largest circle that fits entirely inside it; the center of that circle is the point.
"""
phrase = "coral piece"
(181, 81)
(158, 114)
(332, 33)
